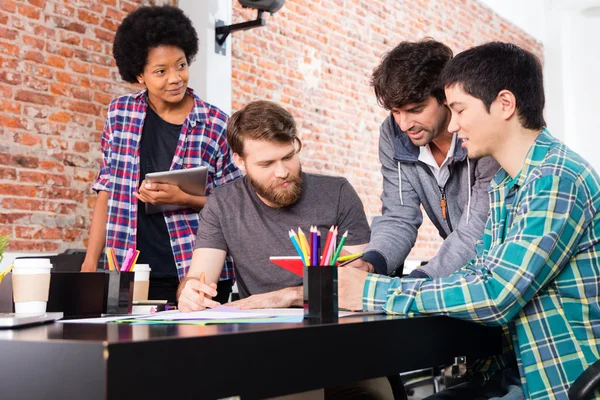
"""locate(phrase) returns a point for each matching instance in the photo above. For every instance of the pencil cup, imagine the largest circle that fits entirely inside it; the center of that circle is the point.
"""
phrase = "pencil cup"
(31, 284)
(141, 282)
(120, 292)
(320, 294)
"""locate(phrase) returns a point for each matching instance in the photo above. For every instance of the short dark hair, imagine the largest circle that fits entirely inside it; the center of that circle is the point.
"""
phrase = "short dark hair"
(147, 28)
(409, 73)
(261, 120)
(485, 70)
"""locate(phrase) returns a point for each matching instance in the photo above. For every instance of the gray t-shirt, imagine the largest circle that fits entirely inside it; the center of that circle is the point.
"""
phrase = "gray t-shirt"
(236, 220)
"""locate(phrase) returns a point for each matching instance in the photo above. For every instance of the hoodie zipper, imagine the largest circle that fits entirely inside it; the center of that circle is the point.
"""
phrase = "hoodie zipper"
(444, 207)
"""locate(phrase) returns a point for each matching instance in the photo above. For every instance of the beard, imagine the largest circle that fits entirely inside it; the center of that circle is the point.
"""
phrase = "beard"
(281, 197)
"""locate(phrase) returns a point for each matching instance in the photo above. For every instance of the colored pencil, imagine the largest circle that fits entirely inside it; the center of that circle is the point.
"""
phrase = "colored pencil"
(326, 247)
(339, 248)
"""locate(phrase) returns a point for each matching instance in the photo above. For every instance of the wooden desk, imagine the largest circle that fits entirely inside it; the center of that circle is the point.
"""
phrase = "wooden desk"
(68, 361)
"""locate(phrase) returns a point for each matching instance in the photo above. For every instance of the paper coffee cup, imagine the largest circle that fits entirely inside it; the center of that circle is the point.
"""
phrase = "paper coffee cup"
(31, 284)
(141, 282)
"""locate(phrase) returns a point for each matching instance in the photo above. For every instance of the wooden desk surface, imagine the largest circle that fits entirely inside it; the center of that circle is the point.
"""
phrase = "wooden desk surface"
(66, 361)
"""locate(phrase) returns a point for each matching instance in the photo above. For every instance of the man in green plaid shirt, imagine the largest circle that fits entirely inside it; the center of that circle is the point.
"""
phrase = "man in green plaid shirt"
(537, 268)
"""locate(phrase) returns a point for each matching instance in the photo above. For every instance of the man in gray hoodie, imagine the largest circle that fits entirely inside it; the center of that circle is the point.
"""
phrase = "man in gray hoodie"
(423, 164)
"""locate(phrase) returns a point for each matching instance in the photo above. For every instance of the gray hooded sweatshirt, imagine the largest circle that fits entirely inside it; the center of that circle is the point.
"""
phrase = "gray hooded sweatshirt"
(409, 183)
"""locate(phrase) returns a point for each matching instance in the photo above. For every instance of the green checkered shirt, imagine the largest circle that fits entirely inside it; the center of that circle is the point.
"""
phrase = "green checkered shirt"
(537, 270)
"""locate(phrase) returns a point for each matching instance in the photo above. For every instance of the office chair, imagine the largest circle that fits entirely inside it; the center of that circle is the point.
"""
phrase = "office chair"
(584, 386)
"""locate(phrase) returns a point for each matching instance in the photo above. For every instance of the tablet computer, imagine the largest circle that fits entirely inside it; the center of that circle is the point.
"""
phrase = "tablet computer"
(12, 320)
(191, 180)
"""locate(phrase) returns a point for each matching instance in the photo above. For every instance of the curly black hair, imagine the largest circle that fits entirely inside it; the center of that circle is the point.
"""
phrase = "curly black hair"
(147, 28)
(410, 72)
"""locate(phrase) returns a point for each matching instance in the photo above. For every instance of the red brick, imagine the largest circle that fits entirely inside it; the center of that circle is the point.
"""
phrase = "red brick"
(82, 68)
(70, 38)
(104, 35)
(33, 245)
(110, 24)
(65, 51)
(43, 177)
(11, 122)
(38, 70)
(51, 233)
(45, 32)
(14, 217)
(66, 77)
(51, 166)
(25, 161)
(60, 89)
(81, 147)
(36, 98)
(128, 6)
(83, 107)
(29, 11)
(115, 14)
(10, 77)
(88, 17)
(8, 173)
(26, 232)
(27, 139)
(9, 34)
(60, 116)
(55, 61)
(33, 42)
(37, 84)
(102, 98)
(92, 45)
(8, 5)
(72, 235)
(35, 56)
(9, 49)
(38, 3)
(17, 190)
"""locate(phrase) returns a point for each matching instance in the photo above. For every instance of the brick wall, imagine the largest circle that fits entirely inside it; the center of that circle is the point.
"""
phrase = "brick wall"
(57, 76)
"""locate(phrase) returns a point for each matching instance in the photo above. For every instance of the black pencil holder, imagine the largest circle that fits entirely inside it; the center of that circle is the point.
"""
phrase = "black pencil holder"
(321, 294)
(119, 292)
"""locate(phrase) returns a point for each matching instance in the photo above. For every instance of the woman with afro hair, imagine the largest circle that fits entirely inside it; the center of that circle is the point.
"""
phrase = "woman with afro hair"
(166, 126)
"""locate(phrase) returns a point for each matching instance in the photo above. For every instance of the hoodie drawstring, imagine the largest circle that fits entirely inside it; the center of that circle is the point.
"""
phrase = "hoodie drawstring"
(400, 183)
(469, 181)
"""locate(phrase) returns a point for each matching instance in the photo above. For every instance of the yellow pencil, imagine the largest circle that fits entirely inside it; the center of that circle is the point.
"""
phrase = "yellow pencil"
(109, 258)
(132, 266)
(304, 245)
(349, 257)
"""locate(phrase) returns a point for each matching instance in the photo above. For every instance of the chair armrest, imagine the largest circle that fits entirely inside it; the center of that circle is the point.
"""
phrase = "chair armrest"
(586, 383)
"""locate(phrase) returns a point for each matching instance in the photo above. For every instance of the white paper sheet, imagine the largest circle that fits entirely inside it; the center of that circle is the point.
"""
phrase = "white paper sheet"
(215, 313)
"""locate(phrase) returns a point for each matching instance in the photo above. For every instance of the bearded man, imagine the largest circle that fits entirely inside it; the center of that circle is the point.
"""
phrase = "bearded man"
(250, 218)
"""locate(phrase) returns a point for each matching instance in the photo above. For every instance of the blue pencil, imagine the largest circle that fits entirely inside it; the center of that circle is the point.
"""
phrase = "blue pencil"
(294, 240)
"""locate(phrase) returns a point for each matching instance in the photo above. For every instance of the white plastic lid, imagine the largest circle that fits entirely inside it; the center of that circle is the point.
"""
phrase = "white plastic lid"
(32, 263)
(141, 267)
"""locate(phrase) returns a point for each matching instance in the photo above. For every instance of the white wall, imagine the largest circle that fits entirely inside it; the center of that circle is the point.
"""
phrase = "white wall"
(523, 13)
(570, 32)
(210, 74)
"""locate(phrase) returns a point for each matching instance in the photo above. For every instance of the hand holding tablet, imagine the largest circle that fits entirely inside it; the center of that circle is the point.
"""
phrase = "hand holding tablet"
(192, 181)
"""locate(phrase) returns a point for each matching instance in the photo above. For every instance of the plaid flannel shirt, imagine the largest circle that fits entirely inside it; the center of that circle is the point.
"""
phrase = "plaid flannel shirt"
(536, 272)
(201, 143)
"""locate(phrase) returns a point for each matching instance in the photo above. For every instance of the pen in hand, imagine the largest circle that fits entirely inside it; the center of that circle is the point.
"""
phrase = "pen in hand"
(203, 280)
